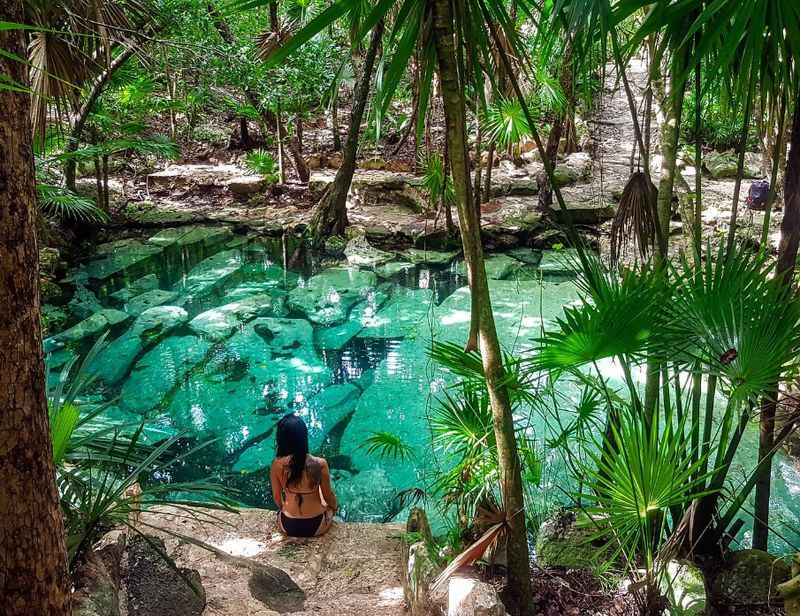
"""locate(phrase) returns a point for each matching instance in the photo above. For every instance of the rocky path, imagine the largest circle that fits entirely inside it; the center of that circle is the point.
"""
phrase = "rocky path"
(252, 570)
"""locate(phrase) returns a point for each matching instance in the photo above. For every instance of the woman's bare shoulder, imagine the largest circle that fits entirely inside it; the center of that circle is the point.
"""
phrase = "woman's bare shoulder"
(317, 461)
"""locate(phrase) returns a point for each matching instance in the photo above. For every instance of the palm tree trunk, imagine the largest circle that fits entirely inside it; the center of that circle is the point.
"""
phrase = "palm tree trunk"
(330, 214)
(33, 557)
(787, 257)
(482, 315)
(778, 146)
(740, 167)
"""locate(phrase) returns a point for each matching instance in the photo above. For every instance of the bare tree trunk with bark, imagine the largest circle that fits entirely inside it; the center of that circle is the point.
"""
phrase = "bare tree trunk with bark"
(482, 326)
(330, 214)
(787, 257)
(33, 561)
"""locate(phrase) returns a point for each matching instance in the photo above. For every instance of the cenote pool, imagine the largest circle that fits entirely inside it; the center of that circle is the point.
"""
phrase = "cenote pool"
(212, 336)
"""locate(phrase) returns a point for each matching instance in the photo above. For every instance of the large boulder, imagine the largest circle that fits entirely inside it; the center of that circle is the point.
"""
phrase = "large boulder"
(574, 168)
(568, 540)
(467, 595)
(246, 184)
(749, 578)
(155, 586)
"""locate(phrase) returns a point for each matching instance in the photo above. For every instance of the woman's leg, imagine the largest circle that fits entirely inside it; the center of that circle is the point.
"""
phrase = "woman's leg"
(325, 525)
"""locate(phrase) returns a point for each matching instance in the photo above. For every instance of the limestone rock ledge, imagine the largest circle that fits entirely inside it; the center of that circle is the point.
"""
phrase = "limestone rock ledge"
(354, 569)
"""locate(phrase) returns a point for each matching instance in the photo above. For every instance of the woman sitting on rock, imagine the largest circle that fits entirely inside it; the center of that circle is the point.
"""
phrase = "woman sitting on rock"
(301, 483)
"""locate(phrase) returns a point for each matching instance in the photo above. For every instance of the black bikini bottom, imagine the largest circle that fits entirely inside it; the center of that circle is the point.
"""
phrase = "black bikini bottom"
(301, 527)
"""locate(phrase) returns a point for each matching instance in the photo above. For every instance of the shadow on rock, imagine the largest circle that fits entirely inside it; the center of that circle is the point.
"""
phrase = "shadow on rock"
(275, 589)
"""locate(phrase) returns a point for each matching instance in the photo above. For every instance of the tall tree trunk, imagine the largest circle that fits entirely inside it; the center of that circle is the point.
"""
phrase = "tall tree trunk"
(482, 315)
(279, 139)
(561, 122)
(337, 138)
(740, 167)
(224, 32)
(778, 145)
(79, 118)
(244, 133)
(330, 214)
(33, 561)
(787, 257)
(672, 108)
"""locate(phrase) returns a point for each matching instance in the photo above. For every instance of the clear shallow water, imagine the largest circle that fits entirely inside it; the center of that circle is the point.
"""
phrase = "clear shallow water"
(217, 336)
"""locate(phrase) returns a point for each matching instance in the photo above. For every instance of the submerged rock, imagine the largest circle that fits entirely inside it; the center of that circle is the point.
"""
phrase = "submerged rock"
(141, 285)
(84, 303)
(361, 315)
(219, 323)
(528, 256)
(559, 262)
(89, 328)
(149, 299)
(400, 316)
(327, 409)
(749, 577)
(210, 274)
(114, 361)
(326, 299)
(161, 370)
(124, 260)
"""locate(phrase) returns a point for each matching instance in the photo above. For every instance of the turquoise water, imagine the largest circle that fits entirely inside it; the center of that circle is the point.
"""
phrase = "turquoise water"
(215, 335)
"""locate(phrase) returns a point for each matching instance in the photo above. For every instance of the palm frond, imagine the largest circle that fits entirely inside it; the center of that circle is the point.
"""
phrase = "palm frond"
(388, 445)
(64, 204)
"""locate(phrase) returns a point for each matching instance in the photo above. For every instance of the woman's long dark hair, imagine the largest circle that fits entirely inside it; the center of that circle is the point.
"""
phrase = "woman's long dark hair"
(292, 440)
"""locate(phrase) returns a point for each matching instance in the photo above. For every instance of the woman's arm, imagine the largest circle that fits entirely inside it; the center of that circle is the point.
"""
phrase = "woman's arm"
(275, 482)
(325, 487)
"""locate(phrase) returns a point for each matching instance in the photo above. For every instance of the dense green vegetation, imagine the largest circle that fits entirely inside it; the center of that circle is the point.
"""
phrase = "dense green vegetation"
(701, 327)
